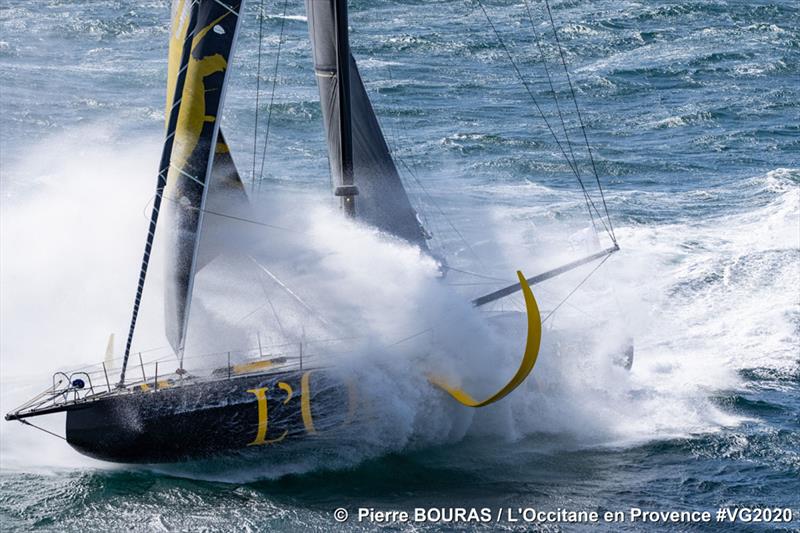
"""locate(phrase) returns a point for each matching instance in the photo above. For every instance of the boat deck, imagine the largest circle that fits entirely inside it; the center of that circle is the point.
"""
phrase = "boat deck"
(78, 387)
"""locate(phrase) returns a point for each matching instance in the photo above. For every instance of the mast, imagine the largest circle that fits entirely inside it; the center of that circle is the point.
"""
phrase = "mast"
(357, 150)
(347, 190)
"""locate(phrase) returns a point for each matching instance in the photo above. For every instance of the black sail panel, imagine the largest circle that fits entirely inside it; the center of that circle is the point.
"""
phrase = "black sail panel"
(195, 139)
(226, 198)
(225, 178)
(382, 200)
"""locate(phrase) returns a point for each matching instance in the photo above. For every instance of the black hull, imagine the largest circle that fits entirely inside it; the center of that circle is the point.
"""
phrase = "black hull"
(204, 419)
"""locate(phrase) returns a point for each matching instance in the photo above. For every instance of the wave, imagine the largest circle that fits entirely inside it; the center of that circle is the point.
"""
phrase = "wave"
(690, 294)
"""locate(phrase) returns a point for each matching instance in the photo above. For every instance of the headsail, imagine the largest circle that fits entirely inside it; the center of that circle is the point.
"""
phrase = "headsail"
(382, 201)
(226, 196)
(195, 141)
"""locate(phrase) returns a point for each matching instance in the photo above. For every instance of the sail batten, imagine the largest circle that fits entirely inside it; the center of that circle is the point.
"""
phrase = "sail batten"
(381, 199)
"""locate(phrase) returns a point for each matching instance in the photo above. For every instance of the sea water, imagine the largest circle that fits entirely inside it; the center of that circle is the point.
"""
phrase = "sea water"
(691, 110)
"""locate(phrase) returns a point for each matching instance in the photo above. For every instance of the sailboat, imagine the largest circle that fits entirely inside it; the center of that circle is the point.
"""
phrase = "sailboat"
(182, 414)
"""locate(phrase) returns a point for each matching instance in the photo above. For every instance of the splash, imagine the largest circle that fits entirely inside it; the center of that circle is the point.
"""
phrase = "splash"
(689, 293)
(70, 234)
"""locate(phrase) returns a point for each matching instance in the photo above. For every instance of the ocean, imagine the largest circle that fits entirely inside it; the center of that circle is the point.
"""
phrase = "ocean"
(692, 111)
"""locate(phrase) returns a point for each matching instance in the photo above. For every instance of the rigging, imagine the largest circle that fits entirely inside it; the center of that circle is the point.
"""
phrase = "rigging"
(526, 85)
(271, 96)
(573, 163)
(528, 89)
(580, 117)
(258, 90)
(558, 105)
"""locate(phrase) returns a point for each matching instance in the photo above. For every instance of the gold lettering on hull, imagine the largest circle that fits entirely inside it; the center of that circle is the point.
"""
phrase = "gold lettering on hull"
(305, 408)
(263, 414)
(305, 403)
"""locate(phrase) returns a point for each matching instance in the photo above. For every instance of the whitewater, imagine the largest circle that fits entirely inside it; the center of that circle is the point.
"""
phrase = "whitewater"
(692, 110)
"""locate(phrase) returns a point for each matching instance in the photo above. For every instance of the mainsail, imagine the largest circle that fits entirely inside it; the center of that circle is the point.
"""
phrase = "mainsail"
(381, 199)
(210, 27)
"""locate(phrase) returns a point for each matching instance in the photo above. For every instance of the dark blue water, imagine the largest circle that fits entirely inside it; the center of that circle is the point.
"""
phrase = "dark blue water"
(692, 112)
